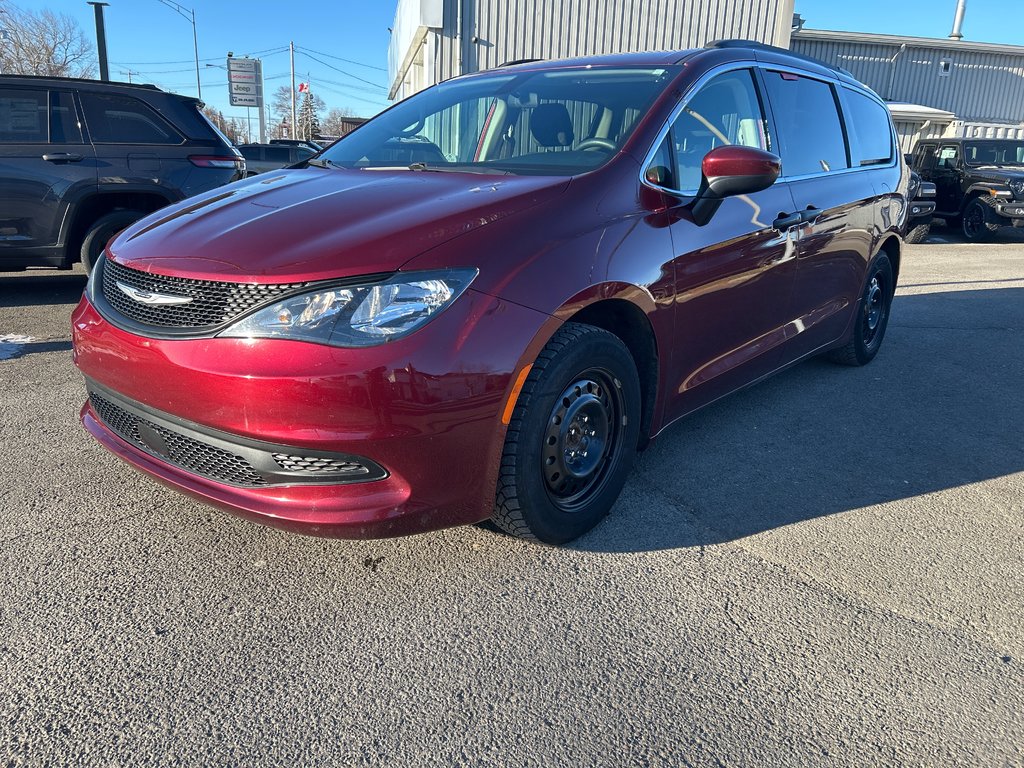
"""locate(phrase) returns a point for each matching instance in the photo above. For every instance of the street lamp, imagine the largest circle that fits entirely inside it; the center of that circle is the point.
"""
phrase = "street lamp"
(189, 14)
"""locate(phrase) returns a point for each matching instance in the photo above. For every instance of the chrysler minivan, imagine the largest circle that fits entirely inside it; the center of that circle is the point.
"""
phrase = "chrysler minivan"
(483, 302)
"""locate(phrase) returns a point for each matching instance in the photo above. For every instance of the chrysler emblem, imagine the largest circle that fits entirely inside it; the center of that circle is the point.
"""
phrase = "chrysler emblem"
(148, 297)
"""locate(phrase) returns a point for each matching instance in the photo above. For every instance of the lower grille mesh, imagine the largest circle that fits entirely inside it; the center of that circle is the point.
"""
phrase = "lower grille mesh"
(193, 455)
(319, 464)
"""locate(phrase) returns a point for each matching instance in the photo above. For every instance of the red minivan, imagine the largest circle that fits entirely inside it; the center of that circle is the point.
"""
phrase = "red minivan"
(482, 303)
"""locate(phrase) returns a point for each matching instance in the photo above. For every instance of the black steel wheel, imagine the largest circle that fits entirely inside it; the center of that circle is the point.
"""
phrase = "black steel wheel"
(572, 437)
(872, 315)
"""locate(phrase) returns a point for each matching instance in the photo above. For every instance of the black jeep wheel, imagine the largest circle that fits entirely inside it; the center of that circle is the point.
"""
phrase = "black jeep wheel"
(977, 222)
(872, 316)
(99, 234)
(572, 437)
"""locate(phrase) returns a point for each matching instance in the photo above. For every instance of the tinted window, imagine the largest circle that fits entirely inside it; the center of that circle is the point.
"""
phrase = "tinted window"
(250, 153)
(925, 156)
(810, 134)
(303, 153)
(64, 125)
(276, 154)
(725, 111)
(868, 124)
(994, 153)
(22, 116)
(124, 120)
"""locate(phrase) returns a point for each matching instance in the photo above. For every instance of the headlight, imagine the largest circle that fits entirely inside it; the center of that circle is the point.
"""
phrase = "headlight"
(358, 315)
(1017, 187)
(915, 184)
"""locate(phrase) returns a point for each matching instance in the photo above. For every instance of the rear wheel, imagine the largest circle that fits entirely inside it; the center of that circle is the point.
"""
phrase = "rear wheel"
(99, 234)
(572, 438)
(872, 315)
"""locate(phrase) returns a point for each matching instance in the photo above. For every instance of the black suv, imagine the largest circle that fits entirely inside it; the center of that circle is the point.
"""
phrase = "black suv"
(82, 159)
(979, 182)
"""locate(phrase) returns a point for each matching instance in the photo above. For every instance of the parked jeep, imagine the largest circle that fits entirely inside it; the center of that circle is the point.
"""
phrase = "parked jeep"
(979, 182)
(80, 160)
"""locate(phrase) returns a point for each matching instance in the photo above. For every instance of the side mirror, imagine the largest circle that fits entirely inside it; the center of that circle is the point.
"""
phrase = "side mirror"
(730, 171)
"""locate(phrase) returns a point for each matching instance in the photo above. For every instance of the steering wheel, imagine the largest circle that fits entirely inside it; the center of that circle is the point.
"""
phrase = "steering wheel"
(596, 143)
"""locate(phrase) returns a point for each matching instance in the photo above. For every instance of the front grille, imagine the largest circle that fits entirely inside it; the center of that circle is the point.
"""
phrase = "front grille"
(213, 303)
(193, 455)
(319, 465)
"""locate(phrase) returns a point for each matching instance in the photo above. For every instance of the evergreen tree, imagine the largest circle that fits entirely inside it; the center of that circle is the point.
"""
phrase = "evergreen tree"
(309, 121)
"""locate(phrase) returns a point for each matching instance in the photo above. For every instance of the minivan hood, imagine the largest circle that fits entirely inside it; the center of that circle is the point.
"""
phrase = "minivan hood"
(319, 223)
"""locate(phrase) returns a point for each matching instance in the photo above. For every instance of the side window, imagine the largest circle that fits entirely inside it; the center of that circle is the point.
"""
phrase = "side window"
(64, 125)
(116, 119)
(810, 134)
(924, 157)
(726, 111)
(948, 157)
(303, 153)
(278, 154)
(23, 116)
(870, 133)
(250, 153)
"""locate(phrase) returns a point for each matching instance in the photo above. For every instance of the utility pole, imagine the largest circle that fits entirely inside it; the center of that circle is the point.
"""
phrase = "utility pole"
(291, 49)
(101, 39)
(130, 72)
(262, 107)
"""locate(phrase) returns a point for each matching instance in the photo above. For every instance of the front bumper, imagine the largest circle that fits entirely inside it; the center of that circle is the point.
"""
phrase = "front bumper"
(426, 410)
(920, 212)
(1012, 210)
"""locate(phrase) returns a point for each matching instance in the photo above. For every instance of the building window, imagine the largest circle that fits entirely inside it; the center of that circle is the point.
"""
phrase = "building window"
(945, 67)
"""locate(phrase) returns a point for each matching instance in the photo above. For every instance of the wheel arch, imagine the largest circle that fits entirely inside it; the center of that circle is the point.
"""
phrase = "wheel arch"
(92, 208)
(621, 315)
(892, 248)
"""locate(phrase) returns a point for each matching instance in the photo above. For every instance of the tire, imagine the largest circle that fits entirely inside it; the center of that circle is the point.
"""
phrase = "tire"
(918, 234)
(549, 488)
(872, 315)
(99, 234)
(977, 222)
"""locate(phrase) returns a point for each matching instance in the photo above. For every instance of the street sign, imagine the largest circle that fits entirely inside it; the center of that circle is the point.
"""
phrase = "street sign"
(245, 82)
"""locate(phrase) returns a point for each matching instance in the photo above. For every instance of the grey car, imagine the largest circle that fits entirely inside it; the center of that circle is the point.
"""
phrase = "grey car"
(260, 158)
(80, 160)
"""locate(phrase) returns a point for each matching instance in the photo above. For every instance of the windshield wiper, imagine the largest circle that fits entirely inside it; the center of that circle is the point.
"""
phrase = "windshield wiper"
(419, 165)
(321, 162)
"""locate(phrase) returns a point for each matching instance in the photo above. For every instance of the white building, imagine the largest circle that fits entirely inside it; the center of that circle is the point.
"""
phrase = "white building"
(433, 40)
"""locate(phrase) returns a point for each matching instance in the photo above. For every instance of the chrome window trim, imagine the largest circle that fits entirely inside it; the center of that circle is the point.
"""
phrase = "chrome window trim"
(769, 67)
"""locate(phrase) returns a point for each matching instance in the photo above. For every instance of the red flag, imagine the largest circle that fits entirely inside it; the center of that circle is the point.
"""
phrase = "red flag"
(303, 87)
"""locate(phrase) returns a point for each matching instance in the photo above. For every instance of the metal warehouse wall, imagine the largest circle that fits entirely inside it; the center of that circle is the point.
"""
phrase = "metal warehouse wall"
(981, 86)
(496, 31)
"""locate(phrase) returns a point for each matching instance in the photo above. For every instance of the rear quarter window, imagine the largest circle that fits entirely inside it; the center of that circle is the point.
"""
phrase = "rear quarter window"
(867, 123)
(114, 119)
(811, 136)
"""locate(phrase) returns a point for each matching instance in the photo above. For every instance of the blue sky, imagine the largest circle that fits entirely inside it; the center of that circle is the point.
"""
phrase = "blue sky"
(152, 40)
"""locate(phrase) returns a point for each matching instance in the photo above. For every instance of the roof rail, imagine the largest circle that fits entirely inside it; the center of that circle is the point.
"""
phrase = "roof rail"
(90, 80)
(758, 46)
(514, 62)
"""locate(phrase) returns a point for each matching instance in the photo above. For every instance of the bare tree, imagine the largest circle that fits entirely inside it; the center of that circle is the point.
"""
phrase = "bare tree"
(334, 123)
(281, 108)
(43, 43)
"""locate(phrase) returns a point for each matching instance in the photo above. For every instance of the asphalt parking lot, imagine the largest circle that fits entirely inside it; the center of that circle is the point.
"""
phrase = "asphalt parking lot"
(824, 569)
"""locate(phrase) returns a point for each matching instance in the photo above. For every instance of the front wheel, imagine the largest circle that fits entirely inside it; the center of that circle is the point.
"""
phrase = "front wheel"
(572, 437)
(918, 234)
(872, 315)
(976, 223)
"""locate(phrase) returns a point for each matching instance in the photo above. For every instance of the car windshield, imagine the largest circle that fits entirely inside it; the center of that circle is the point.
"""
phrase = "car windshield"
(553, 122)
(994, 153)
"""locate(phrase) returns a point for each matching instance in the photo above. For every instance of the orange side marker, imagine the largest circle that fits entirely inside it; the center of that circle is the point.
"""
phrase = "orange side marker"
(510, 406)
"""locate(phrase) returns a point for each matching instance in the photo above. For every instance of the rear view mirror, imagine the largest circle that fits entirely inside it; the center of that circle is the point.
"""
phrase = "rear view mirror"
(730, 171)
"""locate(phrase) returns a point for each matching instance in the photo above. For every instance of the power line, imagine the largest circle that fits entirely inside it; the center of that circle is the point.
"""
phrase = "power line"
(349, 61)
(266, 53)
(342, 71)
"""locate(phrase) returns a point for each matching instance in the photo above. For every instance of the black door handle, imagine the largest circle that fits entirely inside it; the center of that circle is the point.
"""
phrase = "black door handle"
(787, 221)
(62, 157)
